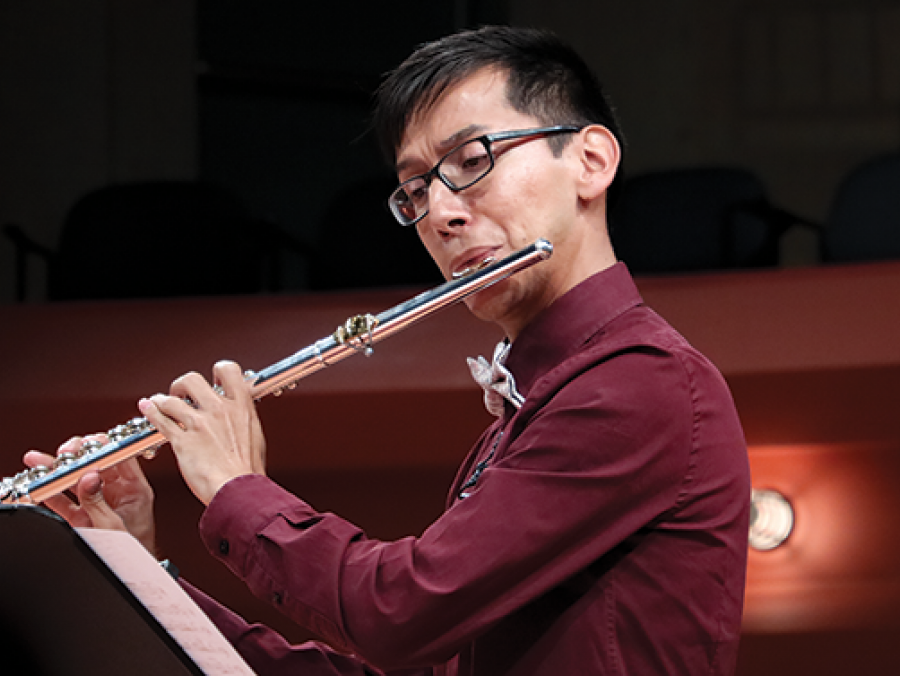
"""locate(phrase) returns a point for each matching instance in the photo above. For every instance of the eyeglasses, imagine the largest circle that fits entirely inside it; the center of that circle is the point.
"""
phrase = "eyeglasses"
(459, 169)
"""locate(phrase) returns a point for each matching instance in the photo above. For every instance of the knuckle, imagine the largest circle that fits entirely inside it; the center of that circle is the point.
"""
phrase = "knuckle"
(71, 443)
(187, 377)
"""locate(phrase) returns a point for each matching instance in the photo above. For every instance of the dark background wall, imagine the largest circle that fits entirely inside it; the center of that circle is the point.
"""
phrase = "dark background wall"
(271, 99)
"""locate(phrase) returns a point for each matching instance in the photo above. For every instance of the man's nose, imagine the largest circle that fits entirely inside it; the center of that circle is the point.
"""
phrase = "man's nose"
(446, 207)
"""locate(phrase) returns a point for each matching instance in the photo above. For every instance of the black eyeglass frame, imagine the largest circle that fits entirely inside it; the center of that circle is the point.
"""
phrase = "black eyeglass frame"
(486, 140)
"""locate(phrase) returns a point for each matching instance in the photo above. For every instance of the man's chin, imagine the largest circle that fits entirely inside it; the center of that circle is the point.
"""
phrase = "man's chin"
(488, 304)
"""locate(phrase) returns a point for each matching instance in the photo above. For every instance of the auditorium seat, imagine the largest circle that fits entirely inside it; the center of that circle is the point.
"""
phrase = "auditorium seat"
(694, 219)
(864, 221)
(157, 239)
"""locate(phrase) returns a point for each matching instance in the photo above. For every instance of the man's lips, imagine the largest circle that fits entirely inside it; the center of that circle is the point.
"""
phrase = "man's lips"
(472, 260)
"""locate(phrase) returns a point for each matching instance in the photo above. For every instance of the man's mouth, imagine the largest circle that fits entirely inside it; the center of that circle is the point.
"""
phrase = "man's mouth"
(473, 263)
(465, 272)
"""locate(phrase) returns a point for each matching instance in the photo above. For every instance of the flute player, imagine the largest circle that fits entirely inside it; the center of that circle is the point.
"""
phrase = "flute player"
(598, 526)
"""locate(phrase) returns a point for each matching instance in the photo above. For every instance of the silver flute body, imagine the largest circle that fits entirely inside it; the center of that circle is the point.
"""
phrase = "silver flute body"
(357, 334)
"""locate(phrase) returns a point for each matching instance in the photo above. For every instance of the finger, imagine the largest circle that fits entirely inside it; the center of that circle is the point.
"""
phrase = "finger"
(235, 383)
(229, 376)
(67, 509)
(71, 445)
(60, 503)
(167, 414)
(131, 471)
(90, 496)
(38, 459)
(126, 484)
(193, 387)
(77, 444)
(99, 437)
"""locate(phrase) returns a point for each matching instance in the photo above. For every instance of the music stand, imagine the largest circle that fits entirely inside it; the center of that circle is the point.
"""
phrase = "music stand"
(64, 612)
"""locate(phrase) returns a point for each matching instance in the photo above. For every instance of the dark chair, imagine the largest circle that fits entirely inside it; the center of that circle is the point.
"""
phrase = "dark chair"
(687, 220)
(158, 239)
(864, 221)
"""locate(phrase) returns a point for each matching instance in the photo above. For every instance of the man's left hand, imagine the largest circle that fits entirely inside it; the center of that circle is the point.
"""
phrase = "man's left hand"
(215, 437)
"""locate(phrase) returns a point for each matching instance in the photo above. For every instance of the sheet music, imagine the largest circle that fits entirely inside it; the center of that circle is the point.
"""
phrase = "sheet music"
(166, 601)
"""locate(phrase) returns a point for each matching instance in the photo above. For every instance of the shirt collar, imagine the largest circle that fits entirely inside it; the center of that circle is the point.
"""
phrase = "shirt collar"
(569, 322)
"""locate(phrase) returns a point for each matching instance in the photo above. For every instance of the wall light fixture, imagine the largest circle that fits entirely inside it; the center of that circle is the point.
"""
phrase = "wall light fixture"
(771, 519)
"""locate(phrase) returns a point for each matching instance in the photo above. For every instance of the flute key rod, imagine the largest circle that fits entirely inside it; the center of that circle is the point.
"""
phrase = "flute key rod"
(357, 334)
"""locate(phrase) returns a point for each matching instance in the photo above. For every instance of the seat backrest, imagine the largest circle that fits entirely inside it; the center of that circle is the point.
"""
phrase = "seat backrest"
(156, 239)
(864, 221)
(684, 220)
(361, 246)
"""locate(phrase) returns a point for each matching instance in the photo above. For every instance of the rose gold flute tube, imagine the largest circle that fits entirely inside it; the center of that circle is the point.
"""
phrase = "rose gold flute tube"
(138, 437)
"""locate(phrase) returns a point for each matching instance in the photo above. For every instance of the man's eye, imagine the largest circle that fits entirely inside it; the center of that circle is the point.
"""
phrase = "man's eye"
(474, 162)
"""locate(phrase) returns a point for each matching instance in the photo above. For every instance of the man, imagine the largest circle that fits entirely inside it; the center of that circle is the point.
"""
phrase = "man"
(599, 526)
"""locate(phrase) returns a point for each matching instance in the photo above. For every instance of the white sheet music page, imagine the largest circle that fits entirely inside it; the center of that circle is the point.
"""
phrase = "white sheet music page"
(166, 601)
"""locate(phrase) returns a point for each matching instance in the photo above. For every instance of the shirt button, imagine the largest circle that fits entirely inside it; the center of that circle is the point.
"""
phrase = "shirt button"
(223, 547)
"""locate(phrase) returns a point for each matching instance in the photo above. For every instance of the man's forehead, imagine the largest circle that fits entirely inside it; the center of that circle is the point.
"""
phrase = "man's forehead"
(482, 87)
(448, 143)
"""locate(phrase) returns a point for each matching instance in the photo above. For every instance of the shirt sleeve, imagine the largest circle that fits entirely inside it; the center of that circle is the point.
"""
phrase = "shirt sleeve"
(269, 654)
(599, 451)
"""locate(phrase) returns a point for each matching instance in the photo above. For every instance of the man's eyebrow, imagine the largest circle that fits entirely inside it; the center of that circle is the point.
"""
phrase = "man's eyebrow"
(455, 139)
(448, 143)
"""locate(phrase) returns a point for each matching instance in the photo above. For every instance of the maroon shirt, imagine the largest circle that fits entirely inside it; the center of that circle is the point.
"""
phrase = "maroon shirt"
(603, 528)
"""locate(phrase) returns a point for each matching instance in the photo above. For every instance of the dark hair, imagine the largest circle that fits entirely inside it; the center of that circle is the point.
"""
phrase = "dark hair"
(545, 78)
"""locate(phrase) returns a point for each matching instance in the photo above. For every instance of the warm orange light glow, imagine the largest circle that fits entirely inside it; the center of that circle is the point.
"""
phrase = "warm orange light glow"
(840, 565)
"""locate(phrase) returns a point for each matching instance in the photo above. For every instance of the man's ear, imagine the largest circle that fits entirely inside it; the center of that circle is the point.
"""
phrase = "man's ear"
(600, 156)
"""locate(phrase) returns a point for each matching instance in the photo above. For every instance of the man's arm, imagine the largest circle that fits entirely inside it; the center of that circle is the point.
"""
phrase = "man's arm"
(269, 654)
(587, 471)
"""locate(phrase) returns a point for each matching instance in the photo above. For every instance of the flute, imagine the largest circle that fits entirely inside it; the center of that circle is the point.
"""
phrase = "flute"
(357, 334)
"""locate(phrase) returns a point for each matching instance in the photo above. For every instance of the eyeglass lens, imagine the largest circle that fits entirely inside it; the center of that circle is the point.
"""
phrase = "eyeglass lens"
(459, 169)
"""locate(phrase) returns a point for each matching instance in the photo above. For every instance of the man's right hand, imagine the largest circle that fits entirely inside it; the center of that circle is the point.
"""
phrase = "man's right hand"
(118, 499)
